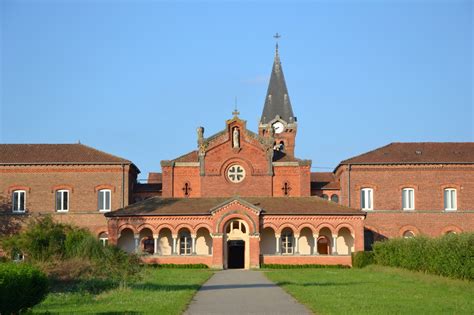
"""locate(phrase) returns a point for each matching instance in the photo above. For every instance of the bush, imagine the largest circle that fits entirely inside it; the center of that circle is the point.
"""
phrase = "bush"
(451, 255)
(180, 266)
(21, 286)
(362, 259)
(302, 266)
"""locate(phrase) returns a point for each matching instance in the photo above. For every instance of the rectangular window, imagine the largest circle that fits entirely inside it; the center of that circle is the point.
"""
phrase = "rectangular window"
(450, 202)
(408, 199)
(366, 199)
(185, 244)
(62, 200)
(287, 244)
(18, 201)
(104, 199)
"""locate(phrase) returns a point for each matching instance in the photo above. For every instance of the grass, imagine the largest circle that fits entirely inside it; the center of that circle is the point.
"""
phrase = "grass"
(162, 291)
(375, 290)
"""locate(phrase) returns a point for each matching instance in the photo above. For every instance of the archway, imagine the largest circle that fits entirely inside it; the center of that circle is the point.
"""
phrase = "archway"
(126, 240)
(268, 241)
(236, 245)
(203, 242)
(324, 241)
(345, 242)
(165, 242)
(306, 241)
(147, 243)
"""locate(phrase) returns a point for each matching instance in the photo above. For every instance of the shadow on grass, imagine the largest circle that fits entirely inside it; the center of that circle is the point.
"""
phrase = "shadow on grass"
(320, 284)
(103, 313)
(164, 287)
(92, 286)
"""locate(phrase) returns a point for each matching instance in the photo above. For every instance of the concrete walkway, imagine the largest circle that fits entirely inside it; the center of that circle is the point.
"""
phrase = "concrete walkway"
(243, 292)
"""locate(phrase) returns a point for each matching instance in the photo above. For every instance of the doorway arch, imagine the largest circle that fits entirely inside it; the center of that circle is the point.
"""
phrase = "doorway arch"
(236, 245)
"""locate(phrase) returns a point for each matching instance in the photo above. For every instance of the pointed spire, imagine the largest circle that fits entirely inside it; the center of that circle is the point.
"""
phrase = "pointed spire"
(277, 100)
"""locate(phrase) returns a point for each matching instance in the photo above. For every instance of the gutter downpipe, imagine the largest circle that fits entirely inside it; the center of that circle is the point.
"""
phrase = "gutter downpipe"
(349, 185)
(123, 185)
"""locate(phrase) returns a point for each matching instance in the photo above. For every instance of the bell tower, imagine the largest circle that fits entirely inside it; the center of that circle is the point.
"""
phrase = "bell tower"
(277, 116)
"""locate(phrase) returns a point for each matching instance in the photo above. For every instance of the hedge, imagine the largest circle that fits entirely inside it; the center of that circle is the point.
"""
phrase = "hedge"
(180, 266)
(451, 255)
(21, 287)
(362, 259)
(302, 266)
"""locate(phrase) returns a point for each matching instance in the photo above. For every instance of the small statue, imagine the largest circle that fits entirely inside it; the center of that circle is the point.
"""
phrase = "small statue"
(200, 134)
(235, 139)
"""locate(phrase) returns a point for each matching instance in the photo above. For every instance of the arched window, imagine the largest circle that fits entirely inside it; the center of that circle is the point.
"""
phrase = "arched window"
(287, 242)
(324, 196)
(450, 199)
(335, 198)
(408, 234)
(18, 201)
(104, 238)
(104, 199)
(282, 146)
(184, 243)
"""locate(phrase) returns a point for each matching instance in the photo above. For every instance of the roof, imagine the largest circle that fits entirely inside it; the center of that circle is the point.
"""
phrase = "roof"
(154, 178)
(55, 154)
(188, 157)
(417, 152)
(277, 100)
(158, 206)
(324, 180)
(143, 188)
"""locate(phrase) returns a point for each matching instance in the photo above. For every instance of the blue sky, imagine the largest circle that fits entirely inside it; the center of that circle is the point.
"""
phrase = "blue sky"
(135, 78)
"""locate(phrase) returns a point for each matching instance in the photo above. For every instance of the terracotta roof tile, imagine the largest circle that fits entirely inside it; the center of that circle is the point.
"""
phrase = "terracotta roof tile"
(417, 152)
(154, 178)
(324, 180)
(55, 153)
(188, 157)
(201, 206)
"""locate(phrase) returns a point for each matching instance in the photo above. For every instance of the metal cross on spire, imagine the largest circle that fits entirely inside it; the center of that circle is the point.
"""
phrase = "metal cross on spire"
(236, 111)
(277, 36)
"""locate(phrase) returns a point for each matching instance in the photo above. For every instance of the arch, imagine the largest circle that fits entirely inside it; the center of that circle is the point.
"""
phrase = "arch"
(127, 226)
(62, 186)
(306, 241)
(451, 229)
(203, 241)
(407, 228)
(324, 245)
(146, 226)
(165, 226)
(12, 188)
(184, 243)
(270, 225)
(345, 225)
(146, 240)
(236, 215)
(287, 240)
(306, 225)
(165, 241)
(268, 241)
(345, 241)
(233, 160)
(182, 226)
(287, 225)
(202, 226)
(104, 186)
(321, 226)
(126, 241)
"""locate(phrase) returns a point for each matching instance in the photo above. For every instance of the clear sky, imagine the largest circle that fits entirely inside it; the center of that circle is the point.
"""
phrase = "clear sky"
(135, 78)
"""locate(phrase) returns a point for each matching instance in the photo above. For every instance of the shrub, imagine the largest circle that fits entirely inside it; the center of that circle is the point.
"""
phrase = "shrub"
(21, 286)
(302, 266)
(181, 266)
(362, 259)
(450, 255)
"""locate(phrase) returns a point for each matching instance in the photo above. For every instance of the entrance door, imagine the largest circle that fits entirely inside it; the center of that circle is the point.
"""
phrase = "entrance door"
(235, 254)
(323, 246)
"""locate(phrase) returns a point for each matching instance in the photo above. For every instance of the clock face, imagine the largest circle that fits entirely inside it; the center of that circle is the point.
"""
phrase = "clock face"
(279, 127)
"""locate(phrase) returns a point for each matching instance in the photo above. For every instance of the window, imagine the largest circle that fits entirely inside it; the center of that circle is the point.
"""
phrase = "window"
(104, 238)
(408, 199)
(18, 201)
(287, 242)
(184, 243)
(367, 199)
(104, 199)
(236, 173)
(335, 198)
(62, 200)
(408, 234)
(450, 202)
(324, 196)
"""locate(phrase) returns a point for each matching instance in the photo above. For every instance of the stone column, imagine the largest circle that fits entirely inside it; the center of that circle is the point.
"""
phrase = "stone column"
(175, 239)
(315, 246)
(297, 240)
(137, 242)
(277, 247)
(334, 244)
(193, 244)
(155, 242)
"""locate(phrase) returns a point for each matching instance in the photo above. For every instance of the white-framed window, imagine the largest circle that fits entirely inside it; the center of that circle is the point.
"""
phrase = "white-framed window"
(367, 199)
(185, 243)
(450, 199)
(287, 242)
(104, 238)
(408, 199)
(62, 200)
(104, 199)
(19, 201)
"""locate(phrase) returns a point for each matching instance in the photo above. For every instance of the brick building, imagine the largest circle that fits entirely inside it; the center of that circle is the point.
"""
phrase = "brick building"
(243, 198)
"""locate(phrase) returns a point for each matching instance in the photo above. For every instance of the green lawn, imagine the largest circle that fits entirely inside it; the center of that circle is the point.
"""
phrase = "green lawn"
(375, 290)
(162, 291)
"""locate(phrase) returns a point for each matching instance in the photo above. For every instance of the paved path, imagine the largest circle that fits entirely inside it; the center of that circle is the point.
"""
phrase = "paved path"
(243, 292)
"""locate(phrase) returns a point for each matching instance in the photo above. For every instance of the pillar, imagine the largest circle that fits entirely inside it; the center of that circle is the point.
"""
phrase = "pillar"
(315, 246)
(155, 242)
(297, 240)
(334, 244)
(277, 247)
(137, 242)
(193, 244)
(175, 239)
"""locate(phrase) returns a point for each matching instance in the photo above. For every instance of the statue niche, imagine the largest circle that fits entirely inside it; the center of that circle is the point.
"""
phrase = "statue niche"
(236, 138)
